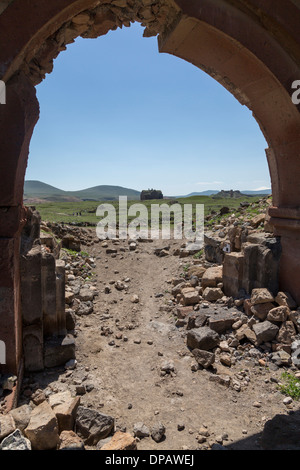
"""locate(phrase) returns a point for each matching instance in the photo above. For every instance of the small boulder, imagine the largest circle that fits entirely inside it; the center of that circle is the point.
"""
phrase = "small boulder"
(42, 429)
(189, 296)
(158, 432)
(212, 294)
(278, 314)
(261, 296)
(68, 440)
(202, 338)
(204, 358)
(285, 299)
(121, 441)
(7, 425)
(212, 277)
(286, 333)
(21, 416)
(196, 271)
(65, 407)
(91, 425)
(265, 331)
(15, 441)
(140, 430)
(222, 321)
(261, 310)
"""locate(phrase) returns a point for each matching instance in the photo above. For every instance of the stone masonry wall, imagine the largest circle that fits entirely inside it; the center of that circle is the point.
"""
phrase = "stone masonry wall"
(42, 297)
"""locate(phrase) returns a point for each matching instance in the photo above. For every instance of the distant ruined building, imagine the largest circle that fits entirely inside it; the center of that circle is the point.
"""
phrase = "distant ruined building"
(151, 194)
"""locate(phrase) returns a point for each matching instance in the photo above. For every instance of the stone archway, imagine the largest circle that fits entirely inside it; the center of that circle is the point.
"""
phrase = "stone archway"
(251, 47)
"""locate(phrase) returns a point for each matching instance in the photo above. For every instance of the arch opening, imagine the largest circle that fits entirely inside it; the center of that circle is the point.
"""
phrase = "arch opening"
(151, 119)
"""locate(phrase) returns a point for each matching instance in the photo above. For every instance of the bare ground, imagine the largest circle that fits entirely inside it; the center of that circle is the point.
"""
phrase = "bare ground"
(123, 368)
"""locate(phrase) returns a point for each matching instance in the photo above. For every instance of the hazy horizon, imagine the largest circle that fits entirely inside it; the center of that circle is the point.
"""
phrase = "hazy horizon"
(177, 194)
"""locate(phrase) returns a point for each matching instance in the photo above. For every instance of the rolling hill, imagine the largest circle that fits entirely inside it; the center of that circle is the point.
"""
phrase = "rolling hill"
(39, 191)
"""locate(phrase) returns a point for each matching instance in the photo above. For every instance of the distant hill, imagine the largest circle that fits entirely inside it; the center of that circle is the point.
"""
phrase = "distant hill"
(202, 193)
(36, 192)
(37, 188)
(42, 191)
(109, 193)
(265, 192)
(212, 192)
(228, 194)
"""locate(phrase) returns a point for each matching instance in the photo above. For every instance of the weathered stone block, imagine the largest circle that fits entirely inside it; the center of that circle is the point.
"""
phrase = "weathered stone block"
(204, 358)
(222, 322)
(285, 299)
(261, 296)
(59, 350)
(15, 441)
(202, 338)
(49, 294)
(7, 425)
(265, 331)
(196, 320)
(261, 310)
(60, 297)
(196, 271)
(261, 263)
(183, 312)
(121, 441)
(189, 296)
(233, 272)
(278, 314)
(33, 344)
(286, 333)
(212, 277)
(31, 286)
(212, 294)
(42, 430)
(68, 440)
(21, 416)
(213, 248)
(65, 407)
(92, 426)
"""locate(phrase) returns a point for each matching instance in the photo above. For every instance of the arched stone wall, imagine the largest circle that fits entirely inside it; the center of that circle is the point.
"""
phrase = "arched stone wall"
(250, 46)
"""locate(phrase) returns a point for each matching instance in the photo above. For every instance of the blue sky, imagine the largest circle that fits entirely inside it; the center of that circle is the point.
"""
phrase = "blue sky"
(115, 111)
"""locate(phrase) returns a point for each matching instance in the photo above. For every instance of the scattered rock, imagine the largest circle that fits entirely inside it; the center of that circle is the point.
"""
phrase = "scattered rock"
(42, 429)
(211, 294)
(189, 296)
(68, 440)
(202, 338)
(261, 296)
(265, 331)
(158, 432)
(135, 299)
(140, 430)
(15, 441)
(278, 314)
(65, 408)
(212, 276)
(204, 358)
(7, 425)
(21, 416)
(121, 441)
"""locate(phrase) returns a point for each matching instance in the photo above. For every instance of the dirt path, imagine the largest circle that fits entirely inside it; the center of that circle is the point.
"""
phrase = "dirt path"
(123, 367)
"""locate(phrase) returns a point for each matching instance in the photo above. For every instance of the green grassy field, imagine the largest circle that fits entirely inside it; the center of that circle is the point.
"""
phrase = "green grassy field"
(85, 211)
